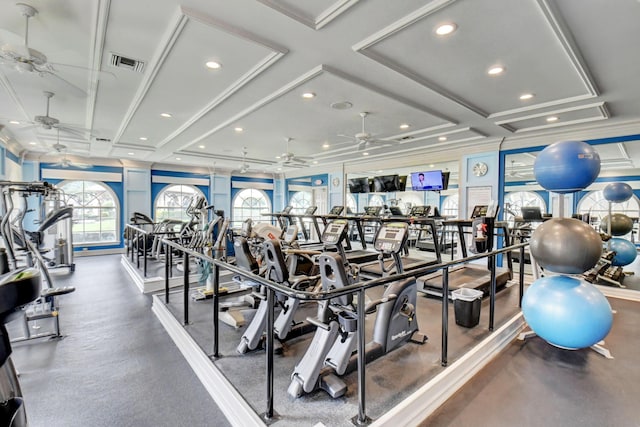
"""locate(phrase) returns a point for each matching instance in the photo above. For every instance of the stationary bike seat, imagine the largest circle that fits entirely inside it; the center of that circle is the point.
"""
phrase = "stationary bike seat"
(61, 290)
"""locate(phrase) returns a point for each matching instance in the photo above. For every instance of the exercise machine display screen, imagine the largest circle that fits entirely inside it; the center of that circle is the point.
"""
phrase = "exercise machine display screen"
(391, 237)
(311, 210)
(336, 210)
(287, 209)
(420, 211)
(334, 232)
(395, 211)
(479, 210)
(372, 210)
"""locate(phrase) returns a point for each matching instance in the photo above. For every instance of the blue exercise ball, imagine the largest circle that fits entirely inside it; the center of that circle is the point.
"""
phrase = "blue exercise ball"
(625, 251)
(617, 192)
(567, 312)
(566, 245)
(621, 224)
(567, 166)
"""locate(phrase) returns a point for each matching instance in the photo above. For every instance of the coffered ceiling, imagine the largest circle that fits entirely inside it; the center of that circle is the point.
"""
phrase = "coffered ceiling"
(115, 66)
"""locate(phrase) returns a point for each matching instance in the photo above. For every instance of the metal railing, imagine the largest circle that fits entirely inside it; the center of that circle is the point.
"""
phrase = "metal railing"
(357, 288)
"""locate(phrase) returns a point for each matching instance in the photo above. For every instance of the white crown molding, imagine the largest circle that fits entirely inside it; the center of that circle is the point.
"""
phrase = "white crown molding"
(324, 18)
(600, 110)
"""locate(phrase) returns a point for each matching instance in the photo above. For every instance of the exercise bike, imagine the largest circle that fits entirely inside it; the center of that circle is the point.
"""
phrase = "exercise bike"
(17, 289)
(331, 352)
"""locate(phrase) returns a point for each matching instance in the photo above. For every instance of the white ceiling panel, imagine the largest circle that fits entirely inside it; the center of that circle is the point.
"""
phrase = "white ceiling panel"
(557, 118)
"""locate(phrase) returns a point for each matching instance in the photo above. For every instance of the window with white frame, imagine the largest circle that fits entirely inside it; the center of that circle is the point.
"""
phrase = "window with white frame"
(450, 206)
(96, 211)
(250, 203)
(516, 200)
(300, 201)
(597, 207)
(351, 203)
(172, 202)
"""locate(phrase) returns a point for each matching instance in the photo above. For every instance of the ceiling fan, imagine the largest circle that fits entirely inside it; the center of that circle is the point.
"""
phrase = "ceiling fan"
(290, 159)
(364, 138)
(47, 122)
(244, 166)
(16, 54)
(59, 149)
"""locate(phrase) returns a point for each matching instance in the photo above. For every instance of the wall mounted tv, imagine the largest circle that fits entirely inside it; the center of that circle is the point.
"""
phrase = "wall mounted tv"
(427, 181)
(402, 181)
(445, 180)
(358, 185)
(386, 183)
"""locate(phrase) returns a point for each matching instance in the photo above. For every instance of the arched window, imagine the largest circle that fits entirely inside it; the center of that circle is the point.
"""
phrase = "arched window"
(597, 206)
(514, 201)
(450, 206)
(351, 203)
(300, 201)
(376, 200)
(96, 211)
(409, 199)
(250, 203)
(173, 200)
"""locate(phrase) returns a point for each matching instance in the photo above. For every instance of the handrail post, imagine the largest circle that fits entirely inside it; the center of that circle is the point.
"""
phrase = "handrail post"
(185, 265)
(216, 308)
(166, 275)
(144, 255)
(362, 418)
(492, 291)
(521, 276)
(445, 315)
(268, 415)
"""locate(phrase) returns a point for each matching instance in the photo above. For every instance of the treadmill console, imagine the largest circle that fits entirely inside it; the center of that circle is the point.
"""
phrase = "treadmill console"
(335, 232)
(372, 210)
(336, 210)
(419, 211)
(395, 211)
(479, 210)
(310, 210)
(286, 210)
(391, 237)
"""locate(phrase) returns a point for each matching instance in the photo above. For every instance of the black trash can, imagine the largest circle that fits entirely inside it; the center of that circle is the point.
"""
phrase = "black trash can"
(466, 304)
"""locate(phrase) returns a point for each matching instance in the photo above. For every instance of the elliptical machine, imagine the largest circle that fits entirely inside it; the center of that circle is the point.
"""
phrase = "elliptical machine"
(331, 352)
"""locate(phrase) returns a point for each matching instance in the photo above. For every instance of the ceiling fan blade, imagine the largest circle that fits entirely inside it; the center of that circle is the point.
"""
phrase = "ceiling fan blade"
(80, 132)
(64, 85)
(345, 136)
(362, 145)
(102, 74)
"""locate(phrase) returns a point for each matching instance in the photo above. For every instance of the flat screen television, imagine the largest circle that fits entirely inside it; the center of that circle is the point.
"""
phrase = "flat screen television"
(445, 180)
(358, 185)
(426, 181)
(386, 183)
(402, 182)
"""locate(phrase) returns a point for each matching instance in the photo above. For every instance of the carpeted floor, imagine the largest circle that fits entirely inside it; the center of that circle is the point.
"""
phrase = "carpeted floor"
(115, 366)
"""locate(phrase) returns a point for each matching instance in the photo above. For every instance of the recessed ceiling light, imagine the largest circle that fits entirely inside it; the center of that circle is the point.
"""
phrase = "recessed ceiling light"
(552, 118)
(279, 169)
(308, 95)
(431, 165)
(14, 122)
(365, 154)
(201, 146)
(405, 126)
(442, 138)
(143, 138)
(131, 153)
(445, 29)
(326, 145)
(341, 105)
(315, 162)
(178, 158)
(277, 157)
(238, 129)
(165, 115)
(33, 143)
(213, 65)
(526, 96)
(495, 70)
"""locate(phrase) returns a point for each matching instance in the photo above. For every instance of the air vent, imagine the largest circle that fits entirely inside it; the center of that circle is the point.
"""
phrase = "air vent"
(103, 140)
(405, 138)
(128, 63)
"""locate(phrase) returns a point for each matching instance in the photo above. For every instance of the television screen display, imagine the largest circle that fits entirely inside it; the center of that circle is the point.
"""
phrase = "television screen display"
(445, 180)
(358, 185)
(402, 182)
(426, 181)
(386, 183)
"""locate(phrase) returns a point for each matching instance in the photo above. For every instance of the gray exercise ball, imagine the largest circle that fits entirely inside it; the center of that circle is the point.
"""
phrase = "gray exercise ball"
(566, 245)
(621, 224)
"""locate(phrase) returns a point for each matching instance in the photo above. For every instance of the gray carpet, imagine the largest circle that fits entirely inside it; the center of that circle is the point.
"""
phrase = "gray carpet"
(116, 365)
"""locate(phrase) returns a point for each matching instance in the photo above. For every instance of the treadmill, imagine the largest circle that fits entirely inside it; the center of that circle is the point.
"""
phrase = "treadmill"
(384, 267)
(472, 276)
